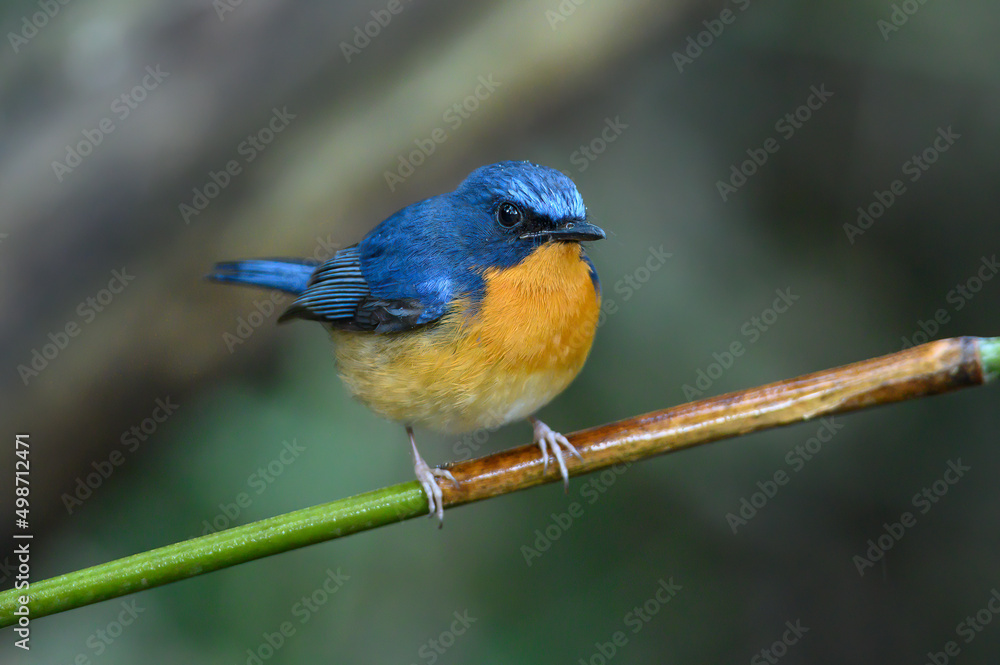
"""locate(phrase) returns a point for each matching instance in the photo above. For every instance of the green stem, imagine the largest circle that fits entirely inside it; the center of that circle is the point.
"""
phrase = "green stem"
(989, 352)
(218, 550)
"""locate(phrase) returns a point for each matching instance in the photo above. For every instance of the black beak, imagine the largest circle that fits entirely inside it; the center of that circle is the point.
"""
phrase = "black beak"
(568, 232)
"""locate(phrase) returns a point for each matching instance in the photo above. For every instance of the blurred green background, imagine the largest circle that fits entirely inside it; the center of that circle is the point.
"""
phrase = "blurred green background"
(689, 88)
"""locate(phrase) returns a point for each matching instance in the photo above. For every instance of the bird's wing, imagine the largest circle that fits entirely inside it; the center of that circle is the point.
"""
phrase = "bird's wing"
(345, 296)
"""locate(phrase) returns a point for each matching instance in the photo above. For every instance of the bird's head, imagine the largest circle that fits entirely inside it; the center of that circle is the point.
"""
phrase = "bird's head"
(512, 208)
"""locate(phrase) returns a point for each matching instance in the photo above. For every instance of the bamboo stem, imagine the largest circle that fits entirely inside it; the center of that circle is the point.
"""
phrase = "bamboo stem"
(928, 369)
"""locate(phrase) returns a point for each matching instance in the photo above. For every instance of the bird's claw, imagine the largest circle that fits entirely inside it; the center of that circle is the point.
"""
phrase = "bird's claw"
(427, 476)
(547, 438)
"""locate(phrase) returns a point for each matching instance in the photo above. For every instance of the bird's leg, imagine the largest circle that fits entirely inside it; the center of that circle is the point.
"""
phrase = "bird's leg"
(426, 476)
(546, 438)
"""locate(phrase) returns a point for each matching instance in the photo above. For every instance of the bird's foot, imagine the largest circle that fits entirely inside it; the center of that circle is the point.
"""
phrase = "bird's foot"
(427, 477)
(547, 438)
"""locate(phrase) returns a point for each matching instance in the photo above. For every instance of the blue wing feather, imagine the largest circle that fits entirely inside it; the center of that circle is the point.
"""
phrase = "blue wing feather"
(288, 275)
(334, 291)
(416, 257)
(383, 284)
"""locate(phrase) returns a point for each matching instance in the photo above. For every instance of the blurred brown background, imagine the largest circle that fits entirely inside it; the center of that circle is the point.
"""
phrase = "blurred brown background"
(281, 120)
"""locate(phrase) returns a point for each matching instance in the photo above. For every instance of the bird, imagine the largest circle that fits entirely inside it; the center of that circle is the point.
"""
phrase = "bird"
(466, 310)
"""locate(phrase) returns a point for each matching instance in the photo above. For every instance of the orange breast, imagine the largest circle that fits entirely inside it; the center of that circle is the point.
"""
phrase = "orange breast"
(540, 315)
(526, 342)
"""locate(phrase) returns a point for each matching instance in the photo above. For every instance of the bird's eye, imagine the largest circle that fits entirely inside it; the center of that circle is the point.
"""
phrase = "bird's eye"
(509, 215)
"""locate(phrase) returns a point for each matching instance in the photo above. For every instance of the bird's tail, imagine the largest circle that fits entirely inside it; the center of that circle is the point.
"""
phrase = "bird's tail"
(288, 275)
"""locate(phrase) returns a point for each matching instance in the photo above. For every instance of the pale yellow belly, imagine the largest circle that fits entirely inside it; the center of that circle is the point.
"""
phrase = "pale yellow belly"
(526, 343)
(449, 388)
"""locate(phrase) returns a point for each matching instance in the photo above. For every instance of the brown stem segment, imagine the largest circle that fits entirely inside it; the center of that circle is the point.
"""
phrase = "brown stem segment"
(927, 369)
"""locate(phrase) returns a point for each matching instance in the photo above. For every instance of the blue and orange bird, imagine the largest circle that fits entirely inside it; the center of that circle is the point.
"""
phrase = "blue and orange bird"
(466, 310)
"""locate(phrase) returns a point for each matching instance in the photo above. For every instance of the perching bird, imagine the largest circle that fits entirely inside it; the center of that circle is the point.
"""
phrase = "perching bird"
(466, 310)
